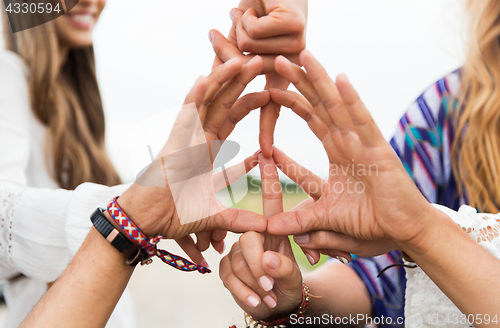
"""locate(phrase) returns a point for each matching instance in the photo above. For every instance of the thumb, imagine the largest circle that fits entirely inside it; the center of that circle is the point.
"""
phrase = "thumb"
(281, 267)
(312, 218)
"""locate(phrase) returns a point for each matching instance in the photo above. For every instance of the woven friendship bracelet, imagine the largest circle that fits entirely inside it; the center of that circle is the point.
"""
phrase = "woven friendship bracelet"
(150, 245)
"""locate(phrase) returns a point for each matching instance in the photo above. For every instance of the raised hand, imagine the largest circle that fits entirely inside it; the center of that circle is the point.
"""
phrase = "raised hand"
(368, 203)
(333, 244)
(260, 271)
(215, 98)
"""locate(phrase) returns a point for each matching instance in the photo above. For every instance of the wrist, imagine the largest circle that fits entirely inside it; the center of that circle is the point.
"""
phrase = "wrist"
(150, 208)
(433, 224)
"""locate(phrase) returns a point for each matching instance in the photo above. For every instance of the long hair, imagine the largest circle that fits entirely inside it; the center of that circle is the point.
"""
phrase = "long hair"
(66, 99)
(476, 149)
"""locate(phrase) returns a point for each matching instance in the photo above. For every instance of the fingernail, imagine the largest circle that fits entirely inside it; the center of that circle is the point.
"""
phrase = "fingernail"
(270, 302)
(286, 59)
(231, 14)
(211, 36)
(257, 152)
(302, 239)
(253, 301)
(266, 283)
(310, 259)
(223, 247)
(253, 59)
(204, 263)
(273, 261)
(342, 259)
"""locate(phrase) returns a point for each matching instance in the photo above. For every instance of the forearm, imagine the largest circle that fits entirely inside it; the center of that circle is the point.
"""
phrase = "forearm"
(342, 291)
(461, 268)
(87, 291)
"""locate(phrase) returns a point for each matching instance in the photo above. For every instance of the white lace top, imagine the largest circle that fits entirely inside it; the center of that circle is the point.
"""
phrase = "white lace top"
(41, 226)
(426, 305)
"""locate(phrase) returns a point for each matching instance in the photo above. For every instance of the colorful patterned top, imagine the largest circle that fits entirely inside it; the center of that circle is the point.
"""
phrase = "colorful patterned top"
(423, 141)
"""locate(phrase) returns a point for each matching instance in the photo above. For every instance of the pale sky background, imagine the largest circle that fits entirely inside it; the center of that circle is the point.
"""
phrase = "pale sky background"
(150, 53)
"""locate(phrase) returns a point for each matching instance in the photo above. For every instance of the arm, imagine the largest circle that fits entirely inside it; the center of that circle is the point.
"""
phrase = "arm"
(98, 275)
(474, 285)
(389, 206)
(91, 284)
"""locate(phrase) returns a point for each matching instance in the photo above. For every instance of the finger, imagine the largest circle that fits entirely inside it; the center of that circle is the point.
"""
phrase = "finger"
(236, 220)
(238, 289)
(313, 255)
(225, 51)
(252, 249)
(272, 25)
(283, 268)
(300, 106)
(241, 108)
(327, 90)
(241, 269)
(198, 91)
(269, 115)
(217, 63)
(365, 126)
(312, 184)
(300, 79)
(290, 223)
(326, 241)
(232, 174)
(286, 44)
(272, 196)
(189, 247)
(223, 102)
(216, 79)
(203, 240)
(218, 243)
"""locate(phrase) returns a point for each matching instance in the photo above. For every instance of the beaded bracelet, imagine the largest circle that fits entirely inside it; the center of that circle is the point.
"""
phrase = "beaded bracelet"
(281, 322)
(150, 245)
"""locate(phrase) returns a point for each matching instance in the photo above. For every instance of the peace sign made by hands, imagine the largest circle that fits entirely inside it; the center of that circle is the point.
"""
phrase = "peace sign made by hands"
(368, 191)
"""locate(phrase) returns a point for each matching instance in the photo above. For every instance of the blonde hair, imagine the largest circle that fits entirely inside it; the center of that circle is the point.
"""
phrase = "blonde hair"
(67, 100)
(476, 149)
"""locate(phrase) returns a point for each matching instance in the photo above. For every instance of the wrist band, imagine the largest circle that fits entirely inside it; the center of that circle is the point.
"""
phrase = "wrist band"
(118, 240)
(150, 245)
(281, 322)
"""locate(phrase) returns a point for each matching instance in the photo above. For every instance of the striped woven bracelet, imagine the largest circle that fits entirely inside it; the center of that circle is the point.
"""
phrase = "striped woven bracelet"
(150, 245)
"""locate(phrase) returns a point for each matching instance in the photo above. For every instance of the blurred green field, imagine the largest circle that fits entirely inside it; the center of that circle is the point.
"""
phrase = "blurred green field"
(253, 201)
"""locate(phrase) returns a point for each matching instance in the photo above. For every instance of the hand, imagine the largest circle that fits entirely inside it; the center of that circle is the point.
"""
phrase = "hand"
(260, 266)
(333, 244)
(375, 200)
(269, 26)
(217, 109)
(272, 26)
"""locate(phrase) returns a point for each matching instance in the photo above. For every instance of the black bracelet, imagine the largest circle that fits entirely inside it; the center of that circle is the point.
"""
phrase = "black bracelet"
(118, 240)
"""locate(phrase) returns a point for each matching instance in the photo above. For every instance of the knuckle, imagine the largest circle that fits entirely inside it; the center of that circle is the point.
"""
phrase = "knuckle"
(244, 44)
(239, 265)
(322, 238)
(253, 31)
